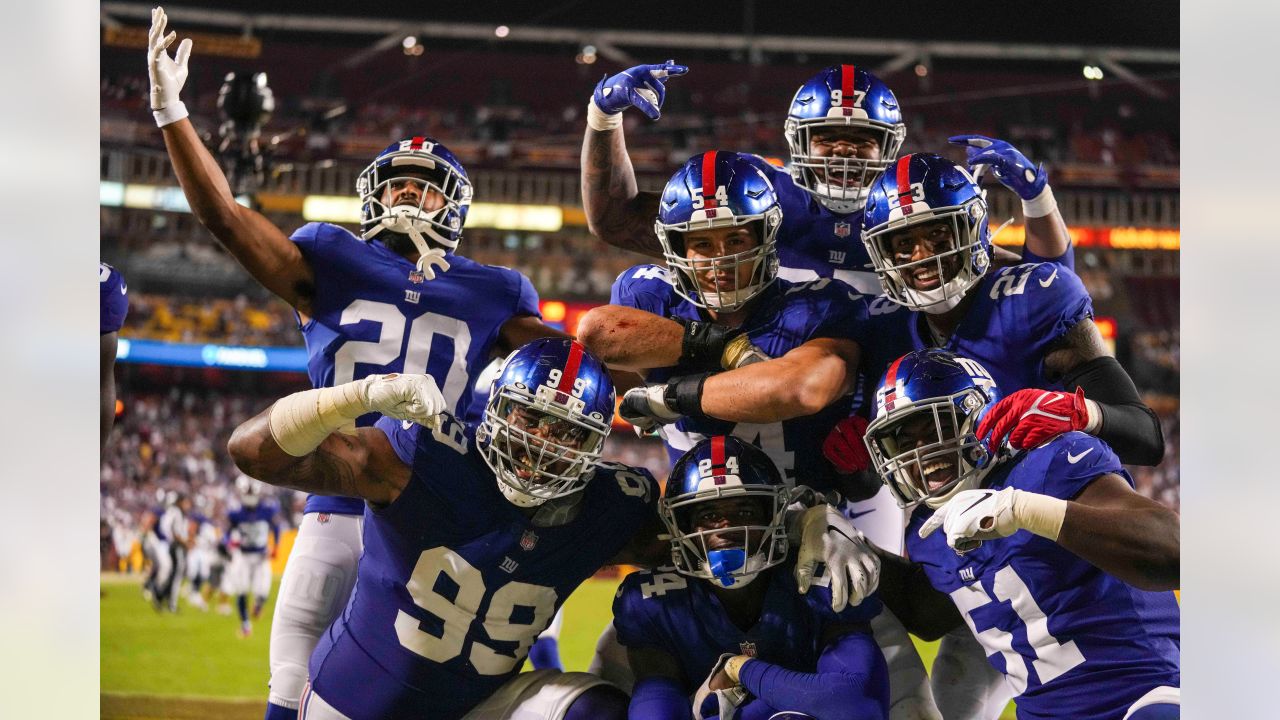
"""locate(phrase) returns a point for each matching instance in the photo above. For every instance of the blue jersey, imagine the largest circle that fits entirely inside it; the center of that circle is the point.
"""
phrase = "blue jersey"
(665, 610)
(113, 301)
(253, 525)
(456, 583)
(1016, 315)
(785, 316)
(372, 314)
(815, 242)
(1074, 641)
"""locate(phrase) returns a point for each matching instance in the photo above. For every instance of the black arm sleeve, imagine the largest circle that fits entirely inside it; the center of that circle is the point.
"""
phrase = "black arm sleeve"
(1128, 425)
(906, 591)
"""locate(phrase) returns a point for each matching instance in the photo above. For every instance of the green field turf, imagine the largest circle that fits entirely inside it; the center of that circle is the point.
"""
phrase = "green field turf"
(171, 666)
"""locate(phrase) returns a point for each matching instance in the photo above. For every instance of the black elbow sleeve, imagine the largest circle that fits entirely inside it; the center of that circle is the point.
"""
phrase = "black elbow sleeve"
(1128, 425)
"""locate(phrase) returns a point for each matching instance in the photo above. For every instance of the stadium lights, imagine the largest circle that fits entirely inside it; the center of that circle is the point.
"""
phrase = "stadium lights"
(1092, 72)
(502, 31)
(922, 70)
(412, 46)
(587, 56)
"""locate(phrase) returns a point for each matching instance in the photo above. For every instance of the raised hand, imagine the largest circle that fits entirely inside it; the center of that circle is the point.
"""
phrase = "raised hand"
(643, 87)
(1010, 166)
(167, 74)
(405, 397)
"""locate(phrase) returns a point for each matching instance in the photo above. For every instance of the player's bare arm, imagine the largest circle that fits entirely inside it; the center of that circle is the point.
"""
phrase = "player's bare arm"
(1106, 403)
(1124, 533)
(106, 385)
(520, 330)
(617, 212)
(632, 339)
(802, 382)
(299, 441)
(269, 256)
(648, 548)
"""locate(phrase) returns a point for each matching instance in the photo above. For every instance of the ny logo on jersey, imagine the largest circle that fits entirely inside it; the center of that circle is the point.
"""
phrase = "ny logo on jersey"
(966, 574)
(836, 257)
(843, 229)
(412, 296)
(508, 565)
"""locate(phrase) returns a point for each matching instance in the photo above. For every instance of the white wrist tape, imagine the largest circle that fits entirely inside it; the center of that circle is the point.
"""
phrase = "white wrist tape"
(171, 114)
(1040, 205)
(1039, 514)
(600, 120)
(1094, 425)
(301, 421)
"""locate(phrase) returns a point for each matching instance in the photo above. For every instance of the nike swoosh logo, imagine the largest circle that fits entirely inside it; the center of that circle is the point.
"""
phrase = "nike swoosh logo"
(1049, 280)
(975, 504)
(1073, 459)
(853, 516)
(838, 531)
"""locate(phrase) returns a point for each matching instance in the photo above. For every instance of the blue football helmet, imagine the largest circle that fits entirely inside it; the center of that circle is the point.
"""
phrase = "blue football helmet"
(925, 422)
(549, 410)
(928, 189)
(733, 486)
(418, 159)
(842, 96)
(719, 190)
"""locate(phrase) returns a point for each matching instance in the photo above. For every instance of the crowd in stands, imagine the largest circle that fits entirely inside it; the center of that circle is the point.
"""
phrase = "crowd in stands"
(235, 321)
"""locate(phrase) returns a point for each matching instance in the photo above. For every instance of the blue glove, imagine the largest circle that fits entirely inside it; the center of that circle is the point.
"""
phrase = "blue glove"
(1010, 166)
(643, 86)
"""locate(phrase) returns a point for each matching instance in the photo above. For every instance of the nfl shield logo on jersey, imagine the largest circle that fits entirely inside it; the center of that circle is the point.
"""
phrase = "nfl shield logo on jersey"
(747, 648)
(416, 276)
(529, 540)
(843, 229)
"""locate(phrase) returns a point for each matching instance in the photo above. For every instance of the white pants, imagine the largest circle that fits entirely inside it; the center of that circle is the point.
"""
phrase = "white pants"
(157, 551)
(316, 584)
(537, 695)
(200, 564)
(965, 684)
(248, 573)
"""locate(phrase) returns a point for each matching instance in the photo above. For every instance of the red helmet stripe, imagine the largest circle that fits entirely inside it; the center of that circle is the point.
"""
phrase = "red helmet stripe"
(891, 382)
(709, 179)
(416, 143)
(571, 368)
(846, 85)
(717, 455)
(903, 172)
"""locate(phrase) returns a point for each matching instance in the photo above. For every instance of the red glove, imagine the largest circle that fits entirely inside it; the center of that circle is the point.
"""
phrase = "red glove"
(1030, 417)
(844, 447)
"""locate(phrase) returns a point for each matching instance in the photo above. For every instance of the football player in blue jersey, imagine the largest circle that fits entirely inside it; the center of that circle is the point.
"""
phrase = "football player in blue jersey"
(394, 298)
(249, 571)
(843, 128)
(472, 542)
(113, 305)
(717, 305)
(926, 231)
(1058, 567)
(728, 615)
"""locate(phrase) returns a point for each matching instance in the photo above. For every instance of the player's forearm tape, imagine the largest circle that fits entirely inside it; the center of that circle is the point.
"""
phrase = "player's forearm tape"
(1040, 514)
(600, 120)
(1040, 205)
(1126, 423)
(301, 421)
(703, 344)
(171, 114)
(739, 352)
(657, 698)
(684, 395)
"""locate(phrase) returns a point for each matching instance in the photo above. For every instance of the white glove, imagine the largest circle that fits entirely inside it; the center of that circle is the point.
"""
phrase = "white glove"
(646, 409)
(973, 516)
(436, 257)
(405, 397)
(728, 700)
(167, 74)
(853, 568)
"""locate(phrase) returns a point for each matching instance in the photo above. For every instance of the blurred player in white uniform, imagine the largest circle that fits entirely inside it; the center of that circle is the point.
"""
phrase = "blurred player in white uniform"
(249, 572)
(201, 559)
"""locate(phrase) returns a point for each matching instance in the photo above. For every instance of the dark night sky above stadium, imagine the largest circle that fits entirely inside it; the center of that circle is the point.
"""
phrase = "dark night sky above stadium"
(1146, 23)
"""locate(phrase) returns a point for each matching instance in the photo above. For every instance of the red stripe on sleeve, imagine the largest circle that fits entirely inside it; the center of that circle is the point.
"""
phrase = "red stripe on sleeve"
(709, 179)
(571, 368)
